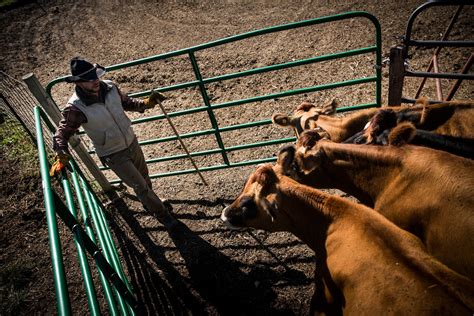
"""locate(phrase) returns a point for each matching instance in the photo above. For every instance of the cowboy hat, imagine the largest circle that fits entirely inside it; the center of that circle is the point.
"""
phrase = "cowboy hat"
(82, 70)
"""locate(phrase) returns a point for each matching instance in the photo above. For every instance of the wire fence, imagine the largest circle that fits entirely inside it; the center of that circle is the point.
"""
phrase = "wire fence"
(16, 106)
(26, 131)
(16, 110)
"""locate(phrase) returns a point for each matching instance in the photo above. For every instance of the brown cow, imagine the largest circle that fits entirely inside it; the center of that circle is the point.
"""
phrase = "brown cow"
(406, 133)
(308, 116)
(453, 118)
(428, 192)
(365, 264)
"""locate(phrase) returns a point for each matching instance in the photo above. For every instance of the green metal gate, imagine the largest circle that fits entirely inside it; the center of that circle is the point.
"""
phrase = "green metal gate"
(209, 107)
(117, 290)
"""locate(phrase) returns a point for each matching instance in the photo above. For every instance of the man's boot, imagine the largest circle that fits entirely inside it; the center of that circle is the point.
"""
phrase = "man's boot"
(165, 217)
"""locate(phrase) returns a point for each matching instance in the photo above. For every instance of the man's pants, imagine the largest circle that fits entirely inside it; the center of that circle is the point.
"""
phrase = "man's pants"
(130, 166)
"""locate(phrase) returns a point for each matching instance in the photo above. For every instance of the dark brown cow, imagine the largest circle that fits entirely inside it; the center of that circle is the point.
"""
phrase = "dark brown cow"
(365, 264)
(453, 118)
(406, 133)
(427, 192)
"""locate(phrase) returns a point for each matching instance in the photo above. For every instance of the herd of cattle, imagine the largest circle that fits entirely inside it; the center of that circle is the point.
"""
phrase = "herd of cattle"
(408, 247)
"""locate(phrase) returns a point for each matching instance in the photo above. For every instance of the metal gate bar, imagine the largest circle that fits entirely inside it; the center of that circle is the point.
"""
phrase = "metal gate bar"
(106, 258)
(399, 55)
(208, 107)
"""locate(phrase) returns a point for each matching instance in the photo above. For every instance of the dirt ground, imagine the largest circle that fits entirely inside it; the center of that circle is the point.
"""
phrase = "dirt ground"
(204, 269)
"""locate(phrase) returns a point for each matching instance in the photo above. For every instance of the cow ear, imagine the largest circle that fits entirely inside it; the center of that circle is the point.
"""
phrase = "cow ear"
(402, 134)
(264, 179)
(265, 183)
(286, 157)
(304, 107)
(330, 108)
(308, 139)
(423, 101)
(280, 119)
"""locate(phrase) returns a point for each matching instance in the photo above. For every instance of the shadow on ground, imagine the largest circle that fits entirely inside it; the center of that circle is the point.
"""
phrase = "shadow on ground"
(214, 283)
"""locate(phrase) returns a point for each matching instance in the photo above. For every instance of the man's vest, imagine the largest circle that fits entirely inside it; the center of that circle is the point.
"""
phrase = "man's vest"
(107, 125)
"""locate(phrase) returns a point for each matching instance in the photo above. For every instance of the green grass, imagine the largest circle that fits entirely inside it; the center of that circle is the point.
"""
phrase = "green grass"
(4, 3)
(14, 282)
(17, 147)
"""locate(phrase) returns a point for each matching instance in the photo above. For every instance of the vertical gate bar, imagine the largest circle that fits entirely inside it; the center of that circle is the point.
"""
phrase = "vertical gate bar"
(105, 251)
(109, 295)
(62, 295)
(90, 233)
(378, 57)
(114, 250)
(464, 70)
(95, 252)
(104, 245)
(396, 75)
(205, 98)
(109, 241)
(110, 245)
(95, 201)
(438, 49)
(84, 265)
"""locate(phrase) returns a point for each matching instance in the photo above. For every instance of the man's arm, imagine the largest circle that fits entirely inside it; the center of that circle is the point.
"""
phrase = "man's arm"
(68, 126)
(131, 104)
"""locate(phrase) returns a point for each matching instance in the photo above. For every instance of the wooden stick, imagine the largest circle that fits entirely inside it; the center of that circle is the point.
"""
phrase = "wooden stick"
(181, 142)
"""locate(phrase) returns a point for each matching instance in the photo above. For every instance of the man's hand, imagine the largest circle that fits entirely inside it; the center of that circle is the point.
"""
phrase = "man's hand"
(60, 162)
(153, 99)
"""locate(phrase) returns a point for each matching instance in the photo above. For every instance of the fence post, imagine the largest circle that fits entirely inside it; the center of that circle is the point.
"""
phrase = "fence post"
(396, 75)
(53, 111)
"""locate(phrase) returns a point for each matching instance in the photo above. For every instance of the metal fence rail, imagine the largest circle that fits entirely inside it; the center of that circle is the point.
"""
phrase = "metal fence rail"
(201, 82)
(400, 54)
(18, 103)
(110, 271)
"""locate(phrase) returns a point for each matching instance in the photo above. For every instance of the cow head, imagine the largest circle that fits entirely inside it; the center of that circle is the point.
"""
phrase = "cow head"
(305, 116)
(300, 161)
(308, 155)
(257, 205)
(379, 126)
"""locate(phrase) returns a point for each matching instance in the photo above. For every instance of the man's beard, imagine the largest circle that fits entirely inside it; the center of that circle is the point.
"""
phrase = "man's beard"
(91, 91)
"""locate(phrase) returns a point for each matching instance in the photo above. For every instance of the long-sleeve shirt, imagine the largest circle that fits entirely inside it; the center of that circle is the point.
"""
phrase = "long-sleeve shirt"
(73, 118)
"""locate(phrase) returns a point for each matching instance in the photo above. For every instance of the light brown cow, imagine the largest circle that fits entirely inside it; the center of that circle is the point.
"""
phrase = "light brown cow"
(309, 116)
(453, 118)
(425, 191)
(365, 264)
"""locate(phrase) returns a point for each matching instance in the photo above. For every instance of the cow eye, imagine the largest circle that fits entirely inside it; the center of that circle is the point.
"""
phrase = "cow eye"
(249, 208)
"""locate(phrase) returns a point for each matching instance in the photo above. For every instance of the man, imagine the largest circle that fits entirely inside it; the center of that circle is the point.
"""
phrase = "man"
(98, 106)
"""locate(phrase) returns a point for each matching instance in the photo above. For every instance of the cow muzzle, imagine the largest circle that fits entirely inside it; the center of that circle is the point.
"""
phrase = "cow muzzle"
(230, 222)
